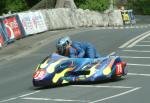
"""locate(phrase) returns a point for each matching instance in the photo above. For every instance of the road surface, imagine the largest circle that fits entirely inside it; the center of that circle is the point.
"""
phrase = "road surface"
(132, 44)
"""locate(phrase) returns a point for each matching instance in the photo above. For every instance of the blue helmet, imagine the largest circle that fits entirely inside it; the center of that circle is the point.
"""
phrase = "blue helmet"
(62, 44)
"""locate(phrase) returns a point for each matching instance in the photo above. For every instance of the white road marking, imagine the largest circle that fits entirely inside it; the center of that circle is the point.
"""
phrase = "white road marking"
(117, 95)
(142, 45)
(138, 40)
(98, 86)
(50, 99)
(133, 39)
(140, 51)
(147, 38)
(136, 74)
(10, 99)
(135, 57)
(130, 64)
(29, 94)
(145, 41)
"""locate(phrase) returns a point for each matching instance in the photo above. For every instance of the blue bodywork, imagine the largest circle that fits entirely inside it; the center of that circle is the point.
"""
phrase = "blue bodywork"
(56, 69)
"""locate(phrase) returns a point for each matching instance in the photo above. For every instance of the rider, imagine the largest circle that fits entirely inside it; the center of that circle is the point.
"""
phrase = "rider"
(74, 49)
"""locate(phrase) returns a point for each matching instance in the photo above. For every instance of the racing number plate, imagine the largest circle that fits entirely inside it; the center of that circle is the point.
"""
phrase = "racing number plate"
(39, 74)
(119, 68)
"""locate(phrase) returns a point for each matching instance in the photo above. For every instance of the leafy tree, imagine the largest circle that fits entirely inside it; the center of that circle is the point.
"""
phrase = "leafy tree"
(139, 6)
(98, 5)
(15, 5)
(79, 2)
(2, 6)
(31, 3)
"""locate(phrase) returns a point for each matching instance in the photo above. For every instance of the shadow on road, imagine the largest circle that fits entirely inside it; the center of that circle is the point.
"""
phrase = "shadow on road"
(77, 83)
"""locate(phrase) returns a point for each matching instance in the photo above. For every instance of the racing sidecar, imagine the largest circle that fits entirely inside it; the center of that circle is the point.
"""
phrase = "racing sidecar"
(57, 69)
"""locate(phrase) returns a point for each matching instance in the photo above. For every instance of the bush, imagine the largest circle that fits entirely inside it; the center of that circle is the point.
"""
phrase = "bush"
(15, 5)
(98, 5)
(12, 5)
(146, 11)
(139, 6)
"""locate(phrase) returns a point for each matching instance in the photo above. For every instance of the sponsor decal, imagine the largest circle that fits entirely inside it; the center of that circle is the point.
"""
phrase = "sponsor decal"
(12, 28)
(1, 40)
(1, 36)
(33, 22)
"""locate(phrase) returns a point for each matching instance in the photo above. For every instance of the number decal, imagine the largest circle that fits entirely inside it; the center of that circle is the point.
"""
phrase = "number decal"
(39, 74)
(119, 69)
(36, 74)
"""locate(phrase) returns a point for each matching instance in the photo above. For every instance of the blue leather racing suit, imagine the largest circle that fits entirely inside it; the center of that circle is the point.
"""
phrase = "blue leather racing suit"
(83, 50)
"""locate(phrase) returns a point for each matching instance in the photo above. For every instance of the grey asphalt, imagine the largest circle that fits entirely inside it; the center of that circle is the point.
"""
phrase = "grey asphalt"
(16, 71)
(140, 19)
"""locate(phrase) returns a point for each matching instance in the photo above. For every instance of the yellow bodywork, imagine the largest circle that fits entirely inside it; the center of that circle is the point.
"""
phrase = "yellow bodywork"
(51, 67)
(64, 81)
(107, 70)
(61, 74)
(57, 76)
(45, 64)
(92, 70)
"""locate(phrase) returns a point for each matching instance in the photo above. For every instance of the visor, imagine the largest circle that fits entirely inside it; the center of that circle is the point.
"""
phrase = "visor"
(61, 48)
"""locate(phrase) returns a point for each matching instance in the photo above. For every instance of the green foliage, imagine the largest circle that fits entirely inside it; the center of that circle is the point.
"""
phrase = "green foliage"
(15, 5)
(2, 6)
(98, 5)
(32, 2)
(78, 2)
(139, 6)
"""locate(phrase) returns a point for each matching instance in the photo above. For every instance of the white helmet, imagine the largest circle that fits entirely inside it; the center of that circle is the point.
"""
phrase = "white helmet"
(62, 43)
